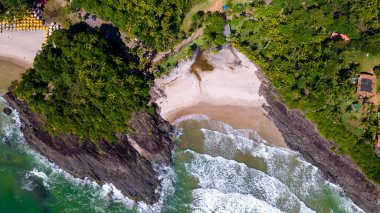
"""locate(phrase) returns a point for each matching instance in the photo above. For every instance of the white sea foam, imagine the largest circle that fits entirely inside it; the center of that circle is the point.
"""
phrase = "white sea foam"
(229, 176)
(51, 174)
(190, 117)
(41, 175)
(305, 181)
(212, 200)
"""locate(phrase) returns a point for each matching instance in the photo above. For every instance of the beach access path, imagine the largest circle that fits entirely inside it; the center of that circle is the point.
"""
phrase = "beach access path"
(178, 47)
(21, 47)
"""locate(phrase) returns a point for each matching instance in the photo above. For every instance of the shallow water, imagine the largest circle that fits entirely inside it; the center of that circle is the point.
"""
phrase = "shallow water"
(8, 73)
(217, 169)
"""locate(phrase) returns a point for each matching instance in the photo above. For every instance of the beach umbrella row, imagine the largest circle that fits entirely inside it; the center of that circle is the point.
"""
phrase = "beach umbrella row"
(29, 23)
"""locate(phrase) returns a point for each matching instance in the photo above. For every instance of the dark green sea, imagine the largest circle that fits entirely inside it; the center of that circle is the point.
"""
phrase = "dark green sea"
(217, 169)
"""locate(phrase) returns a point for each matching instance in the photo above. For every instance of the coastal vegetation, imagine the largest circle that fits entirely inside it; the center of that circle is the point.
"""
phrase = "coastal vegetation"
(12, 8)
(156, 23)
(214, 25)
(82, 86)
(292, 43)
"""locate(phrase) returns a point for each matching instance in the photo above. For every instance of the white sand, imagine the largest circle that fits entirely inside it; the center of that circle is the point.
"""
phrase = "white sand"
(232, 85)
(21, 47)
(227, 84)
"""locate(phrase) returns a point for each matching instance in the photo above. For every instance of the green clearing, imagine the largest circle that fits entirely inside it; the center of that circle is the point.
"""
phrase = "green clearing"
(368, 62)
(197, 6)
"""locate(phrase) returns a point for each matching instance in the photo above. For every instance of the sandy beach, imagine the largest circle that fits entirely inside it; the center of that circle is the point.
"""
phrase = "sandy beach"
(224, 87)
(20, 47)
(17, 52)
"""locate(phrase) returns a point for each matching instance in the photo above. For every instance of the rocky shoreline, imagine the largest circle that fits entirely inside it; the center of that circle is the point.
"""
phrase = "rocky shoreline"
(127, 163)
(302, 136)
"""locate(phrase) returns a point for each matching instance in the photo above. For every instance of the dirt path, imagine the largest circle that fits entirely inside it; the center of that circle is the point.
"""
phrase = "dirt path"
(216, 5)
(177, 48)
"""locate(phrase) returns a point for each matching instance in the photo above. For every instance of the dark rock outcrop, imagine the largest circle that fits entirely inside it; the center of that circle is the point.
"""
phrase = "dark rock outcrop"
(302, 136)
(7, 111)
(126, 163)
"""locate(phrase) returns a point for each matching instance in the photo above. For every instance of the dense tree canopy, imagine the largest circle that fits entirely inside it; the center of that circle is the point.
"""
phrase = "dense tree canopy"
(81, 86)
(214, 27)
(291, 40)
(156, 23)
(14, 8)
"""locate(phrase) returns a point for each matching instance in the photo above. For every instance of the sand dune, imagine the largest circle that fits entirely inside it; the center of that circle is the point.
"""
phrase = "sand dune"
(229, 93)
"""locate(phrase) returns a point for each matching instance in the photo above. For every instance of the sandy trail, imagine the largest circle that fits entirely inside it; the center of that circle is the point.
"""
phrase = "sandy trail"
(216, 5)
(228, 93)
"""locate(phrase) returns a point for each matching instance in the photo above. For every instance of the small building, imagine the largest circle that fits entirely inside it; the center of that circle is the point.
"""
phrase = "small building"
(366, 85)
(335, 35)
(227, 30)
(377, 146)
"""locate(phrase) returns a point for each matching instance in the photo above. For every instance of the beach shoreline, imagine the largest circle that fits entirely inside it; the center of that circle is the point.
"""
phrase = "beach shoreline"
(16, 61)
(225, 97)
(17, 52)
(226, 89)
(21, 47)
(238, 117)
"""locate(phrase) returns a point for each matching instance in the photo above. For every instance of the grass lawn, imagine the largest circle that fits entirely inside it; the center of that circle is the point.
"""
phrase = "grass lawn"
(368, 62)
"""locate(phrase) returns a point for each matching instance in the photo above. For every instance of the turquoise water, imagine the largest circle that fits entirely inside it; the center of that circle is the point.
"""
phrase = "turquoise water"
(217, 169)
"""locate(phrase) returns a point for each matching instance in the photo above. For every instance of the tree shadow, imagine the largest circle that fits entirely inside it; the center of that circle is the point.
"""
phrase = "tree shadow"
(112, 35)
(114, 39)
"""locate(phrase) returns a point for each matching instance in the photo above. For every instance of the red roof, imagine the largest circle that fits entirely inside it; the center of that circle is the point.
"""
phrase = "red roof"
(342, 36)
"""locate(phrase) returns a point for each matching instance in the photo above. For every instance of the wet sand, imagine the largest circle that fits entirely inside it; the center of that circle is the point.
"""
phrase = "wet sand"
(9, 72)
(239, 117)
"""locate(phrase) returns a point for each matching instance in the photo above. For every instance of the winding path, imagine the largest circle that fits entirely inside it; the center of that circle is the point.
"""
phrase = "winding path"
(179, 46)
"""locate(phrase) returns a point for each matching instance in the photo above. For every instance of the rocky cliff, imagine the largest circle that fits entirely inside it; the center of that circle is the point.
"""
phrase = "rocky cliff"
(301, 135)
(127, 163)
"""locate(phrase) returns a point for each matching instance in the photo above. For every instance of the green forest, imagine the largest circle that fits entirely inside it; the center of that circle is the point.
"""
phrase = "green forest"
(156, 23)
(291, 42)
(83, 87)
(14, 8)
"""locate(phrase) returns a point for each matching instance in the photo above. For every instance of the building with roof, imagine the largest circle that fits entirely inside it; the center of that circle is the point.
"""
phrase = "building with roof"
(366, 85)
(336, 35)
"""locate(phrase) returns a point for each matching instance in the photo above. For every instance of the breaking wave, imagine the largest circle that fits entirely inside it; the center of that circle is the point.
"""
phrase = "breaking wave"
(48, 176)
(235, 170)
(281, 179)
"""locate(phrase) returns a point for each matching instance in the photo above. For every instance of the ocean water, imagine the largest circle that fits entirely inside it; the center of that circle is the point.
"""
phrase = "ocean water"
(217, 169)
